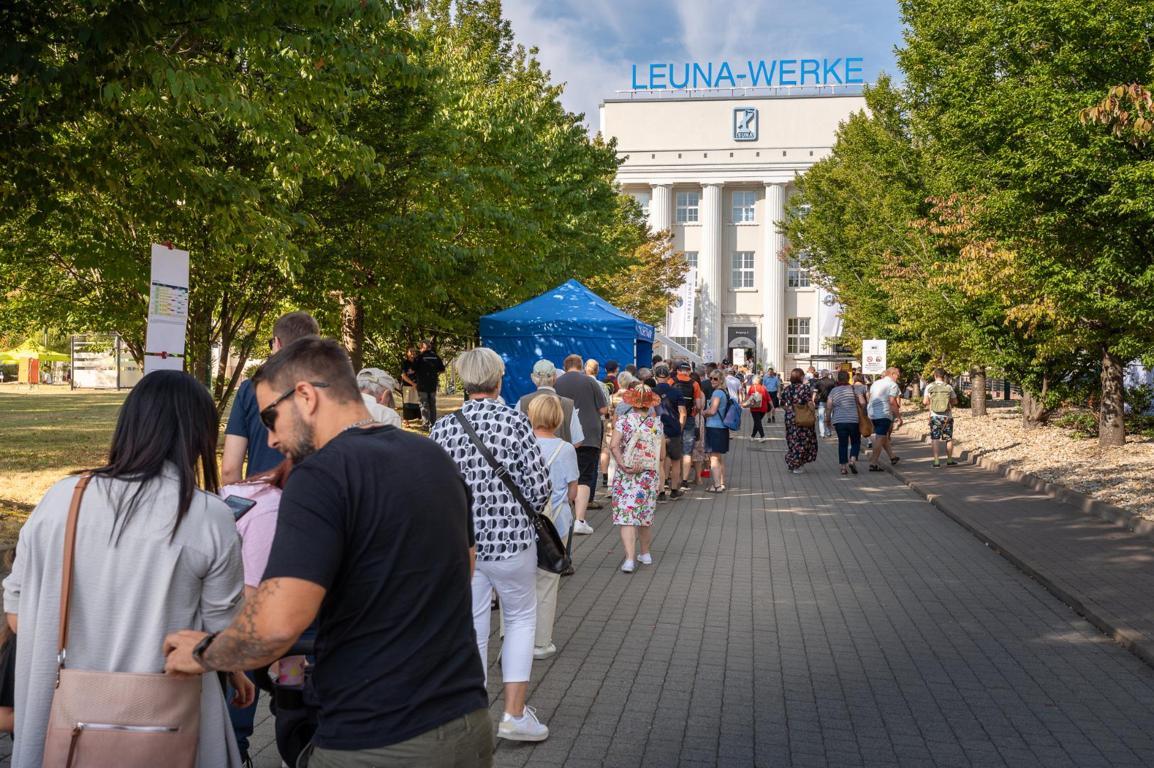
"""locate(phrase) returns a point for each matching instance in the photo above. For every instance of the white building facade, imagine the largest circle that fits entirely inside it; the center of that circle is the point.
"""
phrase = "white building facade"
(717, 171)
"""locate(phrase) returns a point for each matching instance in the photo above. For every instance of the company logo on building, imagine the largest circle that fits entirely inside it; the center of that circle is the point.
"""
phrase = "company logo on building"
(745, 124)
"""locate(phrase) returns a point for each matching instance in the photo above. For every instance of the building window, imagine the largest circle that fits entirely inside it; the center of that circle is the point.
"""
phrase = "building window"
(797, 336)
(742, 269)
(743, 206)
(796, 276)
(687, 207)
(689, 342)
(691, 259)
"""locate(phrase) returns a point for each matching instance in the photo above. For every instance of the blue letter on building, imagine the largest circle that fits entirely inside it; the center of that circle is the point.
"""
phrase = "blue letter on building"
(851, 70)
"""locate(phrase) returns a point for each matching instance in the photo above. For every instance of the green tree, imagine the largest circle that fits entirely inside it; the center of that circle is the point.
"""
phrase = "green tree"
(130, 123)
(996, 90)
(646, 287)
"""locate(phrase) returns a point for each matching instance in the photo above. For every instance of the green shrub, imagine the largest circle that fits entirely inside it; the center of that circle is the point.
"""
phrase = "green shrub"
(1081, 424)
(1140, 398)
(1140, 425)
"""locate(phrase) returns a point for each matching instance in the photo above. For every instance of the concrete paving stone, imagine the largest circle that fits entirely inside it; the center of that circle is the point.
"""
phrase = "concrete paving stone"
(796, 603)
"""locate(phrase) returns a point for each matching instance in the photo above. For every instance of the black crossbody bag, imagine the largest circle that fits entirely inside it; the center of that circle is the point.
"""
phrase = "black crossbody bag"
(551, 554)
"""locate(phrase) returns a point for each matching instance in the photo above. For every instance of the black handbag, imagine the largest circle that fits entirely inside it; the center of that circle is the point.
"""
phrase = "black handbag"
(551, 554)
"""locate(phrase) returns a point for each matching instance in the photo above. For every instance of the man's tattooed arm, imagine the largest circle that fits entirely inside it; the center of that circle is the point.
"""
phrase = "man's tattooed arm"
(267, 626)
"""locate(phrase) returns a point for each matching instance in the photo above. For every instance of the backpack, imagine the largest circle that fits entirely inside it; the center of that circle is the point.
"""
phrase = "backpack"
(686, 390)
(670, 416)
(732, 417)
(940, 395)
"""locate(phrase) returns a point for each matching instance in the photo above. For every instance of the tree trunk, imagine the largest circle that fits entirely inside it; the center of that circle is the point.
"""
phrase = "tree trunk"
(1034, 410)
(978, 391)
(1111, 427)
(916, 389)
(353, 329)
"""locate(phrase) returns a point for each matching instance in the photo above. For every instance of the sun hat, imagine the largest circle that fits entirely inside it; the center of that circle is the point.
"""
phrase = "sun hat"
(641, 397)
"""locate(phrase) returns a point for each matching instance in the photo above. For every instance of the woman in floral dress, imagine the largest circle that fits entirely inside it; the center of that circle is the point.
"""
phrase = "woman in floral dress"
(800, 442)
(637, 444)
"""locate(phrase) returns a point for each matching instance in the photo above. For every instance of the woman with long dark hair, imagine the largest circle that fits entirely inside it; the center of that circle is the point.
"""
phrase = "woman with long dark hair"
(155, 549)
(800, 442)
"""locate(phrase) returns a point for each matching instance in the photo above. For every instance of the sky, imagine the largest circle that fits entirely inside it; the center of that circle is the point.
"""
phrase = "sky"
(590, 45)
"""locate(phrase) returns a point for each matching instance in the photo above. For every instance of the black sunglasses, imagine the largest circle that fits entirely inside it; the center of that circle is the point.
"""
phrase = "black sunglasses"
(268, 415)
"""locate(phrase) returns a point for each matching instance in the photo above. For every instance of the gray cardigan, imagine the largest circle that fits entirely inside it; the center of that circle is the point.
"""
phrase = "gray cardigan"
(126, 597)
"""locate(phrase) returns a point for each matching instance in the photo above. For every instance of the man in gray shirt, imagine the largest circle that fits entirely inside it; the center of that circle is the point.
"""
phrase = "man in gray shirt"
(592, 404)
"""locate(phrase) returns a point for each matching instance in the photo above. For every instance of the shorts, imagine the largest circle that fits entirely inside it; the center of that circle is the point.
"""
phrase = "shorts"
(775, 399)
(716, 440)
(674, 449)
(941, 427)
(882, 426)
(688, 438)
(588, 465)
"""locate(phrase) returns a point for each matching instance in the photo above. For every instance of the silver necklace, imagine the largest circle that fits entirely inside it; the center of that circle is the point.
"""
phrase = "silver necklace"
(361, 423)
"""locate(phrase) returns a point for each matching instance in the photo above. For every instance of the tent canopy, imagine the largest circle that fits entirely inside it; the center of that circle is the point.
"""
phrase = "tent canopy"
(570, 319)
(30, 350)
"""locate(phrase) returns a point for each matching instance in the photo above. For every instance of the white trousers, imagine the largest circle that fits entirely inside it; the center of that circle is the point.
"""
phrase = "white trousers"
(547, 584)
(514, 580)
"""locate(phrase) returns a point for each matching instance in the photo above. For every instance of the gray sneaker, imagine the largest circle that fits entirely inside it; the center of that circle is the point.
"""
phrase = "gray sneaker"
(525, 728)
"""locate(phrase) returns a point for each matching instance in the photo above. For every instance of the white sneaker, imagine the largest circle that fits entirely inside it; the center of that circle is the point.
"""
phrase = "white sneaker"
(628, 566)
(524, 728)
(646, 559)
(582, 528)
(798, 471)
(544, 651)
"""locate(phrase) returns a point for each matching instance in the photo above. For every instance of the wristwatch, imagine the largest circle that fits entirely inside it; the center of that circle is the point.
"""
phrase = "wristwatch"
(200, 648)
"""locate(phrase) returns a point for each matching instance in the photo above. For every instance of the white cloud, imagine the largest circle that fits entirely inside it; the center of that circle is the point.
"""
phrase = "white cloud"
(590, 70)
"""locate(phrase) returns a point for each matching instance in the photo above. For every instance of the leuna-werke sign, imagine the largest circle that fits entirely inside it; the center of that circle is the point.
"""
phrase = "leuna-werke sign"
(759, 73)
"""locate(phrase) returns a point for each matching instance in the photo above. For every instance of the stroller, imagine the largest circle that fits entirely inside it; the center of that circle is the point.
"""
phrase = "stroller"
(294, 705)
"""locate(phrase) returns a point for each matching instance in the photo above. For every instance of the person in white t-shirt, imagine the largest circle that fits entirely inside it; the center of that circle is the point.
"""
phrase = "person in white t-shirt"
(377, 391)
(885, 411)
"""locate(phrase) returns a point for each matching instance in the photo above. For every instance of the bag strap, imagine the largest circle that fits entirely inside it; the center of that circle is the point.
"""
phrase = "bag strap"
(498, 468)
(553, 458)
(69, 557)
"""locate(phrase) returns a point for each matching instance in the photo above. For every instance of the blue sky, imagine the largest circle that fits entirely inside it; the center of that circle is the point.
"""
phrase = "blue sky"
(591, 44)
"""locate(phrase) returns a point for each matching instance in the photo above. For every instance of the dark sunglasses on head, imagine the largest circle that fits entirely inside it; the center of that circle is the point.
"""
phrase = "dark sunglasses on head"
(268, 415)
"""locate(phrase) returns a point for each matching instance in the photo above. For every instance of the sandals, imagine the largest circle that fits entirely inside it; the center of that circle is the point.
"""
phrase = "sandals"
(853, 467)
(876, 468)
(895, 459)
(844, 472)
(716, 489)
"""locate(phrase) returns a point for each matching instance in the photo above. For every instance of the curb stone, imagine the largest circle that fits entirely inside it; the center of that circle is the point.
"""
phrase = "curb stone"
(1132, 521)
(1114, 627)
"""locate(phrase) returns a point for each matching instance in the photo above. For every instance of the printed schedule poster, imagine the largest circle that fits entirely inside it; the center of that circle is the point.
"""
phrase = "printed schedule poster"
(167, 310)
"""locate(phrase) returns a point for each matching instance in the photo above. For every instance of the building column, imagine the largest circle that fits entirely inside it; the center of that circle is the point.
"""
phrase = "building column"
(660, 208)
(773, 282)
(711, 270)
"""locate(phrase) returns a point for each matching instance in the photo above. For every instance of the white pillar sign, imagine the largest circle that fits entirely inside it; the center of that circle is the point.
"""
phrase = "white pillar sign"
(681, 315)
(167, 310)
(873, 356)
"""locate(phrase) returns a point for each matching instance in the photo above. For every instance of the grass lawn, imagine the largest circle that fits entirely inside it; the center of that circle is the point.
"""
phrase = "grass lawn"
(50, 432)
(44, 435)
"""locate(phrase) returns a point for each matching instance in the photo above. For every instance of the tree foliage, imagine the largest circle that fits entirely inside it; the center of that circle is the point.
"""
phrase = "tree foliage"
(1006, 188)
(648, 285)
(396, 168)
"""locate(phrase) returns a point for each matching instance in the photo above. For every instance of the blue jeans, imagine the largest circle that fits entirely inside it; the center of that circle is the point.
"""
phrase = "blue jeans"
(822, 431)
(847, 435)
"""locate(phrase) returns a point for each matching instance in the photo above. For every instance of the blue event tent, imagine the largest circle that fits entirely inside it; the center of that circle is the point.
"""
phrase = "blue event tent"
(570, 319)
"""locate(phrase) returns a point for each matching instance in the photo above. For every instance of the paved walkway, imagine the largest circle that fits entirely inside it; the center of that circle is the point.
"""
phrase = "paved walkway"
(819, 621)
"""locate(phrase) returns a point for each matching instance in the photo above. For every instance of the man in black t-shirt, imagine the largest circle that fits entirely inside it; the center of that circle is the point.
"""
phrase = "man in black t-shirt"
(673, 416)
(429, 369)
(381, 560)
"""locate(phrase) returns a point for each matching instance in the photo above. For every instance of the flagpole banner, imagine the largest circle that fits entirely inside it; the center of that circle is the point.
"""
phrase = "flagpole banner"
(681, 314)
(167, 310)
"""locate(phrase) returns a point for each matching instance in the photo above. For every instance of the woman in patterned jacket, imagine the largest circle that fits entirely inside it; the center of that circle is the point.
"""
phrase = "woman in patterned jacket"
(506, 548)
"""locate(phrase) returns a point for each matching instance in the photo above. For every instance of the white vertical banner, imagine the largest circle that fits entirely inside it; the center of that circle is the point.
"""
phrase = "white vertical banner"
(681, 314)
(873, 356)
(167, 310)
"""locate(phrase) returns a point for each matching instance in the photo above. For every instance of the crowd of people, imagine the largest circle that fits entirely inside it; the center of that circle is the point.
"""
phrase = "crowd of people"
(349, 568)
